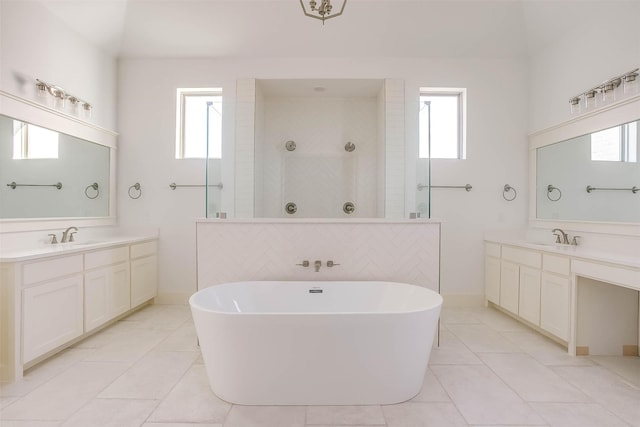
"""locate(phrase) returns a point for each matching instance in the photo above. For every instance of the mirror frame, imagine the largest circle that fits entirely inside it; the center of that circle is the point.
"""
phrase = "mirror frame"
(41, 115)
(624, 111)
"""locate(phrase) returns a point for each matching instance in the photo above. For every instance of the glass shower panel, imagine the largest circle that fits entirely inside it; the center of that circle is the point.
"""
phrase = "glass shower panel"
(423, 189)
(213, 176)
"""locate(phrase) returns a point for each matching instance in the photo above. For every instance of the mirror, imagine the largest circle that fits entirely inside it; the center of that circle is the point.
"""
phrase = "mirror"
(592, 177)
(48, 174)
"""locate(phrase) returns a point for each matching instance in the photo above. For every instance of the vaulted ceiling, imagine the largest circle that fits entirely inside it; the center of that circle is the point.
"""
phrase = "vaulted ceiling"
(368, 28)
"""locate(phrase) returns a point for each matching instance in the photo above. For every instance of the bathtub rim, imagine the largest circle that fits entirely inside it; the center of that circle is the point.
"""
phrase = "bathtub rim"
(437, 303)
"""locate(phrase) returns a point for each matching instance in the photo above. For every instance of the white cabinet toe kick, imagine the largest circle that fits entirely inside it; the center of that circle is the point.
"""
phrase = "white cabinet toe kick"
(589, 305)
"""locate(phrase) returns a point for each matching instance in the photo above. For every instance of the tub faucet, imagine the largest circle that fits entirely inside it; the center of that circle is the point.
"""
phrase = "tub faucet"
(565, 236)
(317, 264)
(67, 235)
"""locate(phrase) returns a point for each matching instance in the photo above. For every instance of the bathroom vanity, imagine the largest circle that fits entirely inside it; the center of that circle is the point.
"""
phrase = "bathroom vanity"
(574, 295)
(55, 295)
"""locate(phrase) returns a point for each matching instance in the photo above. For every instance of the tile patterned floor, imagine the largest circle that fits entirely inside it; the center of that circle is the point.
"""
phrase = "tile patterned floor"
(146, 370)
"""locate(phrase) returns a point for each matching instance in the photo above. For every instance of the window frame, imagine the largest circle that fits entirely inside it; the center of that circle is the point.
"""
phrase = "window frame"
(182, 94)
(624, 144)
(461, 94)
(25, 150)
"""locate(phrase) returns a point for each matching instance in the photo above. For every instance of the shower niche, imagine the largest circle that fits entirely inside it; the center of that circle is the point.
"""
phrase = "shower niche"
(319, 148)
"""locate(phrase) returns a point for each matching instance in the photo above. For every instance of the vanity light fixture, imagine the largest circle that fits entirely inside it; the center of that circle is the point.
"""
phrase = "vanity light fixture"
(605, 93)
(60, 96)
(322, 11)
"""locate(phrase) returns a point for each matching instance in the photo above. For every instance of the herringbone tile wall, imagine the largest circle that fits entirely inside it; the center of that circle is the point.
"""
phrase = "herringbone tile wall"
(407, 252)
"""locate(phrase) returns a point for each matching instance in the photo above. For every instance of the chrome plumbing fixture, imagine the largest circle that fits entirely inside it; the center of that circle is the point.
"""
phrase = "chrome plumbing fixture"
(304, 263)
(559, 233)
(290, 145)
(574, 241)
(331, 263)
(317, 264)
(290, 208)
(67, 235)
(54, 239)
(349, 147)
(348, 208)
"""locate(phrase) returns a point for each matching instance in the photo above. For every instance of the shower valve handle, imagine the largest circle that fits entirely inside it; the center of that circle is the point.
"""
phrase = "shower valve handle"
(331, 263)
(304, 263)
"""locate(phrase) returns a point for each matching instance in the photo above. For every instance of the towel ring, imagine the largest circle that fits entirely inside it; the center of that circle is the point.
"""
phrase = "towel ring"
(508, 188)
(550, 189)
(137, 188)
(95, 187)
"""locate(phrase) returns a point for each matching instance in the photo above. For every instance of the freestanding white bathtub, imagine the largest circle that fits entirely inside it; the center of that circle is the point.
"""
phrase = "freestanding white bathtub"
(315, 343)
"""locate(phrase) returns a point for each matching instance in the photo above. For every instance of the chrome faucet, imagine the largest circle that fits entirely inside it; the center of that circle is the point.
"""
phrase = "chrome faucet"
(565, 236)
(67, 235)
(317, 264)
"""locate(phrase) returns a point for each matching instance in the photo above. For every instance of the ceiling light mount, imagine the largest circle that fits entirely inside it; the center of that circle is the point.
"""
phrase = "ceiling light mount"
(321, 11)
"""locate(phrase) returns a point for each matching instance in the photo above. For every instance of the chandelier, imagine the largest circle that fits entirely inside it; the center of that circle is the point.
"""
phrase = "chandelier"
(322, 11)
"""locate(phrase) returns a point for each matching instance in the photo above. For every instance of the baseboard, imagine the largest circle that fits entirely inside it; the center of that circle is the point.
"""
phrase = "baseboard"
(177, 298)
(462, 300)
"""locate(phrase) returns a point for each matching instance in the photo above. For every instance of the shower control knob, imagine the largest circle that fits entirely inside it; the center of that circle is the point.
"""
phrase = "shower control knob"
(304, 263)
(290, 145)
(331, 263)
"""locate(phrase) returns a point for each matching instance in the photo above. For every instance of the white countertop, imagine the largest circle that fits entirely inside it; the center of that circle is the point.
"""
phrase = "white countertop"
(581, 252)
(48, 250)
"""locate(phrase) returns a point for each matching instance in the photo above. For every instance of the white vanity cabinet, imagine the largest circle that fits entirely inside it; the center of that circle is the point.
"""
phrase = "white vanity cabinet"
(555, 300)
(56, 295)
(520, 282)
(144, 272)
(106, 286)
(492, 272)
(52, 304)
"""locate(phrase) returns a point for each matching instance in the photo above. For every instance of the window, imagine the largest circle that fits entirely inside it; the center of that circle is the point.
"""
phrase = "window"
(33, 142)
(193, 107)
(617, 144)
(442, 123)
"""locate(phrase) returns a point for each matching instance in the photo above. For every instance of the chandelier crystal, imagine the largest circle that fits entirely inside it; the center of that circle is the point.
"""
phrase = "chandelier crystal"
(321, 11)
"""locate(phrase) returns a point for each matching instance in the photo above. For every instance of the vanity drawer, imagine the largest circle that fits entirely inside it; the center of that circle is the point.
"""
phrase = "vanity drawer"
(144, 249)
(556, 264)
(492, 249)
(522, 256)
(52, 268)
(106, 257)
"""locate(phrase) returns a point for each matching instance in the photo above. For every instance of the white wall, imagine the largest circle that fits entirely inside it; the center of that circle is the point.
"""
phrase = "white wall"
(36, 44)
(497, 150)
(591, 52)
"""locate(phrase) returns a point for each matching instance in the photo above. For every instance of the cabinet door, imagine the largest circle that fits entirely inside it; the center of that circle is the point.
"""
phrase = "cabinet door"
(144, 280)
(52, 315)
(106, 294)
(509, 284)
(96, 298)
(555, 305)
(120, 291)
(529, 307)
(492, 279)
